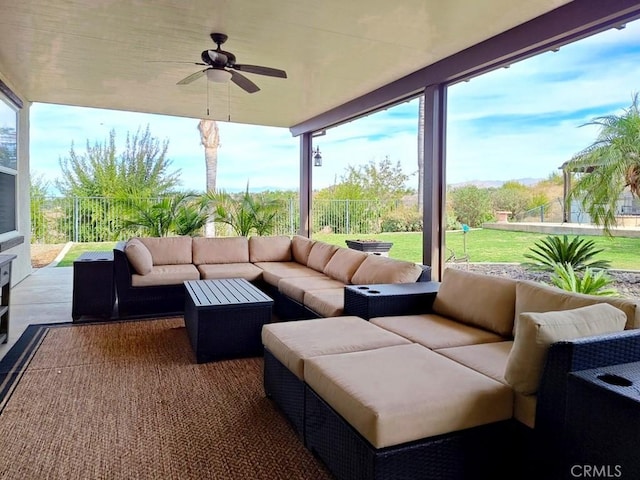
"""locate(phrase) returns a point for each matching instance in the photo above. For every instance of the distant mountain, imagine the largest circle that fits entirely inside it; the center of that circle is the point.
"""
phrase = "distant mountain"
(496, 183)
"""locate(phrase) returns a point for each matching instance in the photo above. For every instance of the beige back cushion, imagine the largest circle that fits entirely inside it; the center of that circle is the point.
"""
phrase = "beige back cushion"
(169, 250)
(216, 250)
(139, 256)
(535, 297)
(537, 331)
(377, 269)
(270, 249)
(344, 264)
(481, 300)
(320, 255)
(300, 248)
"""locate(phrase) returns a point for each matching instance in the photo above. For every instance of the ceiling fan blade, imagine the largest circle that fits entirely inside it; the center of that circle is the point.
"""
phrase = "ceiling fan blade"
(270, 72)
(171, 61)
(243, 82)
(192, 77)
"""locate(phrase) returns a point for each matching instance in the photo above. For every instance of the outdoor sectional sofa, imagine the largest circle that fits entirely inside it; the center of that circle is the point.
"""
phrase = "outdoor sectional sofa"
(472, 387)
(306, 278)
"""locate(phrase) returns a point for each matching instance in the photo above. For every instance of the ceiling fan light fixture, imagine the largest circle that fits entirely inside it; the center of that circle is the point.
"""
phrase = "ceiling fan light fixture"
(218, 75)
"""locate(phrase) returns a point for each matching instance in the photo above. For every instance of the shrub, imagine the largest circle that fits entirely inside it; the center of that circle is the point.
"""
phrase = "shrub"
(592, 282)
(402, 219)
(513, 197)
(553, 250)
(472, 205)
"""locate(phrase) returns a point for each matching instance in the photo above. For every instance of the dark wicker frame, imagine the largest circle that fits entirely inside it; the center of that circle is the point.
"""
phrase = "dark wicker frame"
(143, 301)
(459, 455)
(286, 390)
(563, 358)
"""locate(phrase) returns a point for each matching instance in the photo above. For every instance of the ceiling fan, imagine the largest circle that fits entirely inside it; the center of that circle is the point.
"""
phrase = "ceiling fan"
(222, 67)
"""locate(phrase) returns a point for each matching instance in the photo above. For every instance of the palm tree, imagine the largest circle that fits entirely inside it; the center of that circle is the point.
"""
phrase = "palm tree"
(210, 140)
(610, 164)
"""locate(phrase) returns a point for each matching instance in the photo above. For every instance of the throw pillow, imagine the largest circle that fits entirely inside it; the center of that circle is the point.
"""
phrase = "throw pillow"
(537, 331)
(139, 256)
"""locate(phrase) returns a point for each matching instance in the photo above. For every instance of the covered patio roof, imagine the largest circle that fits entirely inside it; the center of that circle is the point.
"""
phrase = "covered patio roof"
(126, 55)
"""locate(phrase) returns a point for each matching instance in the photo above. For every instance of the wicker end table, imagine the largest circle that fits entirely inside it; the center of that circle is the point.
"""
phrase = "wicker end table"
(224, 318)
(93, 286)
(379, 300)
(603, 420)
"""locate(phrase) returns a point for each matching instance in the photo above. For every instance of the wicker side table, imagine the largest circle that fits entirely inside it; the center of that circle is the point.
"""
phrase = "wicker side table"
(93, 286)
(603, 420)
(379, 300)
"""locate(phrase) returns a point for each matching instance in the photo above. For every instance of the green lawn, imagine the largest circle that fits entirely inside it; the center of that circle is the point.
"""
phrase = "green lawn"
(495, 246)
(79, 248)
(482, 246)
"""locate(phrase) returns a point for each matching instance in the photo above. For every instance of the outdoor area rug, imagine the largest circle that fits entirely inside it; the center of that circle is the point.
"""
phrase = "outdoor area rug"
(127, 400)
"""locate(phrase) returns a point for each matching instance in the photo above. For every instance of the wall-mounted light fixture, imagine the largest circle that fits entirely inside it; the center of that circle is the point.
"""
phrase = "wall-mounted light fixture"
(317, 157)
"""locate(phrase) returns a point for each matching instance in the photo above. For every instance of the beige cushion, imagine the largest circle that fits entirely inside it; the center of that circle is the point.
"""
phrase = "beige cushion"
(434, 331)
(139, 256)
(537, 331)
(489, 359)
(344, 264)
(169, 250)
(326, 303)
(398, 394)
(300, 248)
(273, 272)
(535, 297)
(296, 287)
(377, 269)
(166, 275)
(247, 271)
(482, 300)
(294, 342)
(270, 249)
(524, 408)
(320, 255)
(213, 250)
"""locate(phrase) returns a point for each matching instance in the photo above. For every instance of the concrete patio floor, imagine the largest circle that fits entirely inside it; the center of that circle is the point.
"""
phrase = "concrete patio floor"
(42, 297)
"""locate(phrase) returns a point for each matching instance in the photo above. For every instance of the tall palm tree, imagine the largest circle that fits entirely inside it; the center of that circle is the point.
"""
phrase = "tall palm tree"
(611, 164)
(210, 140)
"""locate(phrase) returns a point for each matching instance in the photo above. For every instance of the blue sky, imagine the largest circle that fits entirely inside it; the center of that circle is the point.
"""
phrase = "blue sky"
(517, 122)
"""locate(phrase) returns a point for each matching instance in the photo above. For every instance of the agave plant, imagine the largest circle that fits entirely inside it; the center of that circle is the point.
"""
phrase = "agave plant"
(592, 282)
(553, 250)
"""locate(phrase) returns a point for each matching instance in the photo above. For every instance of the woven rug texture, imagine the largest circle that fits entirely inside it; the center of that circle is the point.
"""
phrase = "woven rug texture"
(127, 400)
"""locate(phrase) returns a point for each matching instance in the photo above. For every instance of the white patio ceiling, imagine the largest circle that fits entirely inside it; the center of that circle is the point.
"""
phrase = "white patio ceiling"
(106, 53)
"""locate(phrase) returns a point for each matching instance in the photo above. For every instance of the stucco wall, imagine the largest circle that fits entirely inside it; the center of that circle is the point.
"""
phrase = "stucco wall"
(22, 264)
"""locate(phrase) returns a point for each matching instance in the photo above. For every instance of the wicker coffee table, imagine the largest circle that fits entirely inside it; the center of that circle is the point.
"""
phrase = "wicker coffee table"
(224, 318)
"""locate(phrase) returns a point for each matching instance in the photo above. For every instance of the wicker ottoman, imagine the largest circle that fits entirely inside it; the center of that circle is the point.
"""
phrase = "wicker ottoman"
(287, 345)
(405, 412)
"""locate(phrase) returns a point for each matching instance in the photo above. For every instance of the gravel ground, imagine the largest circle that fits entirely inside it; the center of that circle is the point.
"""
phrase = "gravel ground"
(43, 254)
(626, 282)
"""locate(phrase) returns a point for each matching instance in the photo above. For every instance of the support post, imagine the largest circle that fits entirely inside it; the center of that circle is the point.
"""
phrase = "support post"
(434, 199)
